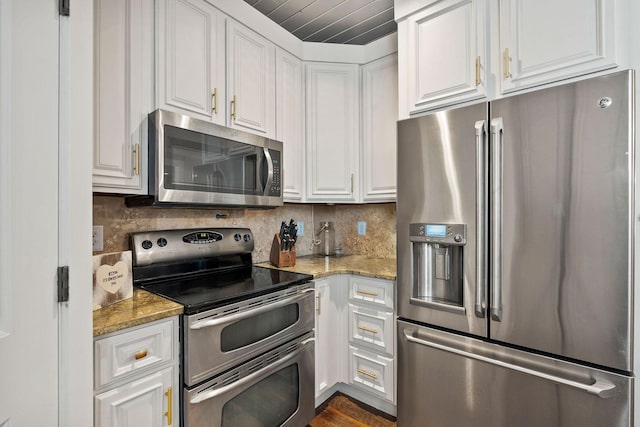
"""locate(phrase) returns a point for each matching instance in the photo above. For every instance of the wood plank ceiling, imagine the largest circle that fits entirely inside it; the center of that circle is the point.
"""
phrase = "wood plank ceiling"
(331, 21)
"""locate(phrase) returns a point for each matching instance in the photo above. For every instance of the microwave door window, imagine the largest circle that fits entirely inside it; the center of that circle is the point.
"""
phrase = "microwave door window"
(198, 162)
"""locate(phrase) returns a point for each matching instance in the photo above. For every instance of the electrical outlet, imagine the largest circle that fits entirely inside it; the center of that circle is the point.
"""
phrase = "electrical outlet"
(98, 236)
(362, 228)
(300, 228)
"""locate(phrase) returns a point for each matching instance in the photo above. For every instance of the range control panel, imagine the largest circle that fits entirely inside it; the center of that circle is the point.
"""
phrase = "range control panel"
(151, 247)
(450, 234)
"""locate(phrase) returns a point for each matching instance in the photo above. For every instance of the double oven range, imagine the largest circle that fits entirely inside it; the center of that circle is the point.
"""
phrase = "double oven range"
(246, 335)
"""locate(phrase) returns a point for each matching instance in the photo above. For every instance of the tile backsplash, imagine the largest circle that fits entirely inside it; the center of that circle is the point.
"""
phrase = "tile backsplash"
(119, 221)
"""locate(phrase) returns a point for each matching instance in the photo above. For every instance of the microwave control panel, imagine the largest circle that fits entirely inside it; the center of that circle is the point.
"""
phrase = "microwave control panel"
(276, 183)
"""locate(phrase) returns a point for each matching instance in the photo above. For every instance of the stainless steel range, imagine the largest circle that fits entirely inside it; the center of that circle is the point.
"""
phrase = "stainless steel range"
(247, 345)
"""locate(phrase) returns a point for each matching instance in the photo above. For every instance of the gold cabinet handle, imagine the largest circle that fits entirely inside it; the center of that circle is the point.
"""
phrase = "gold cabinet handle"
(365, 329)
(136, 159)
(506, 61)
(367, 374)
(141, 354)
(368, 293)
(214, 97)
(233, 108)
(478, 71)
(169, 413)
(318, 303)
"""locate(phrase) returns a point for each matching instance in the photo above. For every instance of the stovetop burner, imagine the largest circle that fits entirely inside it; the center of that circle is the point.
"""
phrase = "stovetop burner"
(205, 273)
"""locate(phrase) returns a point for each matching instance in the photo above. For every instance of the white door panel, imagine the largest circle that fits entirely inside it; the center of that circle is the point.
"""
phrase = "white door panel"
(28, 212)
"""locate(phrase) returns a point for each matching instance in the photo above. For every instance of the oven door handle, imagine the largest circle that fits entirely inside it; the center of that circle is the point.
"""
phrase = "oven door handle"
(268, 370)
(246, 314)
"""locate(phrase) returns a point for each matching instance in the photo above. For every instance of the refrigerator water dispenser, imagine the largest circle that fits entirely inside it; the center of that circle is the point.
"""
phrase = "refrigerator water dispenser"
(437, 265)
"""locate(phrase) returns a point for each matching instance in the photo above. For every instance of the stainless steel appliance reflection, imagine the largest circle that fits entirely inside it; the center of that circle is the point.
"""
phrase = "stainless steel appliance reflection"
(247, 332)
(515, 236)
(200, 164)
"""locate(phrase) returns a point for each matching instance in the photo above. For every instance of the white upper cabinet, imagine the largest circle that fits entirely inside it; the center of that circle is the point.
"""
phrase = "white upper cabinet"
(379, 134)
(444, 52)
(332, 129)
(546, 40)
(191, 69)
(454, 51)
(250, 80)
(290, 119)
(124, 95)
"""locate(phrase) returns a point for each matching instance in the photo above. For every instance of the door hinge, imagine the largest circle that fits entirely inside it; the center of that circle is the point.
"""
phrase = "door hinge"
(63, 284)
(63, 7)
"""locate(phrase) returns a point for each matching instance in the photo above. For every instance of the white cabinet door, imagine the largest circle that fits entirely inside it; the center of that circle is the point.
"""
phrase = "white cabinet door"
(250, 80)
(379, 135)
(143, 402)
(546, 40)
(445, 51)
(289, 122)
(192, 59)
(124, 80)
(328, 329)
(332, 129)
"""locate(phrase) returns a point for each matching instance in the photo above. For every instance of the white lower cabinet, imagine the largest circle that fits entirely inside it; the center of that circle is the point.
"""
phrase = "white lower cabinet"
(371, 372)
(143, 402)
(136, 376)
(327, 324)
(355, 339)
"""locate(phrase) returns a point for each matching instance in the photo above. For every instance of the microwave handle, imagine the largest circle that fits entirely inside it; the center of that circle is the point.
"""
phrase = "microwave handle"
(267, 185)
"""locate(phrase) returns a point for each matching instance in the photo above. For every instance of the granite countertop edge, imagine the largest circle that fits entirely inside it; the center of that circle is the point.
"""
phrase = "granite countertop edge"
(145, 307)
(361, 265)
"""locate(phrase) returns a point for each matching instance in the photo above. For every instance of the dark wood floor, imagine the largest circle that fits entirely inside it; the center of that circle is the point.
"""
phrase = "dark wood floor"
(342, 411)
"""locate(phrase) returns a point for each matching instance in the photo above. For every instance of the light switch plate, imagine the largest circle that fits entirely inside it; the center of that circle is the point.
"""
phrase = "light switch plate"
(300, 228)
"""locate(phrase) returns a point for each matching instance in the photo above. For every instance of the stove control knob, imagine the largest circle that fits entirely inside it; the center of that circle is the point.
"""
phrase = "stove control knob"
(237, 237)
(162, 242)
(247, 237)
(147, 244)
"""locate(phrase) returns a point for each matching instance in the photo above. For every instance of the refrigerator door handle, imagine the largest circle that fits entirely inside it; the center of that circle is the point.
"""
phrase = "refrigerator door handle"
(496, 219)
(601, 388)
(481, 221)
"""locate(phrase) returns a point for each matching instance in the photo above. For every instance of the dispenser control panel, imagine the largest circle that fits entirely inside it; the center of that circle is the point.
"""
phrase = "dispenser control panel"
(451, 234)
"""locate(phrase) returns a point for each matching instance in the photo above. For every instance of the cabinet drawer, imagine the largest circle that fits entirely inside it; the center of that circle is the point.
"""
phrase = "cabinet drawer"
(371, 291)
(371, 372)
(123, 354)
(371, 328)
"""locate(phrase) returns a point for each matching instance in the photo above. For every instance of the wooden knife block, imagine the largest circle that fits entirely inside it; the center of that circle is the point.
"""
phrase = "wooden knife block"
(281, 258)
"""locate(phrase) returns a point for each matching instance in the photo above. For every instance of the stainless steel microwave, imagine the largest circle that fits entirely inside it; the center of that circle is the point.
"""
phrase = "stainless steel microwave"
(199, 164)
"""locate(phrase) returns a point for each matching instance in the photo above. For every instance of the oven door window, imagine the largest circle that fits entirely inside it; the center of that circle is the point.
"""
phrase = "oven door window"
(267, 403)
(256, 328)
(197, 162)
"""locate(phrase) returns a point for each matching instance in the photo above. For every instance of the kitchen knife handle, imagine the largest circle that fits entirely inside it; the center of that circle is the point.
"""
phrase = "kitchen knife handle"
(481, 218)
(496, 219)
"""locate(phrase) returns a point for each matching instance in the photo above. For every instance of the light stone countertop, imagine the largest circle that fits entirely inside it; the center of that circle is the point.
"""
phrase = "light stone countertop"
(319, 266)
(143, 307)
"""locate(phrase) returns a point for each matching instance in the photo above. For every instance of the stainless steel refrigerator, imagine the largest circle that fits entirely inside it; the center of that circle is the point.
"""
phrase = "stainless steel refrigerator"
(515, 260)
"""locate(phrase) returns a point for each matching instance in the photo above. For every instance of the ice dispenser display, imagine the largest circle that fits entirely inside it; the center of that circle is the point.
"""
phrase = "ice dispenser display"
(437, 265)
